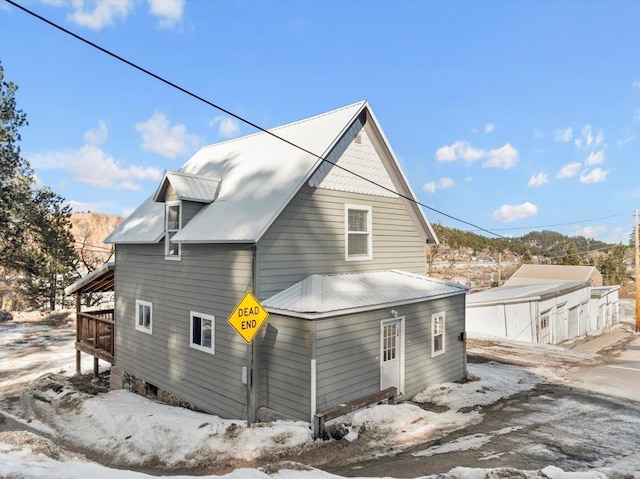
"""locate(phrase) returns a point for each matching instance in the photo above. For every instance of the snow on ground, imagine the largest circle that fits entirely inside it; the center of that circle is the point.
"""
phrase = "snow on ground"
(135, 432)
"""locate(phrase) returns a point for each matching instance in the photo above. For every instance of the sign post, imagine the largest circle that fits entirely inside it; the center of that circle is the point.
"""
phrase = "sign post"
(247, 319)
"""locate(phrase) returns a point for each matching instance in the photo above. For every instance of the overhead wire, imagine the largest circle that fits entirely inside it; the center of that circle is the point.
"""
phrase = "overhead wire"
(242, 119)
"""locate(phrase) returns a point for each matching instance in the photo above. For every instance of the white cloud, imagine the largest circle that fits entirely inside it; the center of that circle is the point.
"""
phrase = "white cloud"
(227, 127)
(460, 150)
(596, 175)
(503, 157)
(158, 136)
(589, 231)
(595, 158)
(569, 170)
(474, 130)
(468, 179)
(636, 84)
(103, 13)
(507, 213)
(489, 127)
(563, 135)
(538, 180)
(169, 11)
(636, 116)
(628, 139)
(93, 166)
(50, 160)
(97, 136)
(591, 137)
(441, 184)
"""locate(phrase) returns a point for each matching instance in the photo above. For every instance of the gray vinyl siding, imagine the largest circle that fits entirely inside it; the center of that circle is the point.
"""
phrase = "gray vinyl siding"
(309, 238)
(284, 366)
(347, 357)
(209, 279)
(422, 370)
(347, 351)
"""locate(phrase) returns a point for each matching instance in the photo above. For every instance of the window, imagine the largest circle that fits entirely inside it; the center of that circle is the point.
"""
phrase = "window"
(144, 316)
(437, 334)
(173, 223)
(357, 221)
(202, 332)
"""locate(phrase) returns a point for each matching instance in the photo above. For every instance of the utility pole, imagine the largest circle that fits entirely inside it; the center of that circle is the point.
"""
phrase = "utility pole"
(637, 272)
(499, 268)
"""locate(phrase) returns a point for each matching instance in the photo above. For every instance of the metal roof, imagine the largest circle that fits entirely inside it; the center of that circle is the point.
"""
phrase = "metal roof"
(188, 187)
(530, 292)
(99, 280)
(553, 273)
(320, 296)
(260, 174)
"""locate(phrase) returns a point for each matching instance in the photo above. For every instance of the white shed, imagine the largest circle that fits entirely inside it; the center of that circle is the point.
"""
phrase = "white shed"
(537, 313)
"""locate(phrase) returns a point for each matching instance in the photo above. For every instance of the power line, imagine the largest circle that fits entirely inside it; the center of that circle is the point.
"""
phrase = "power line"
(238, 117)
(562, 224)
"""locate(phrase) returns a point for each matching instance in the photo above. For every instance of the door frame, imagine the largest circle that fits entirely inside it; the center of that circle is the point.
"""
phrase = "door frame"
(400, 345)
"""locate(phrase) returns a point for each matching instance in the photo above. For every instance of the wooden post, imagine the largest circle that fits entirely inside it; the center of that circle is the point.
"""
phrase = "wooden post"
(637, 272)
(78, 332)
(95, 346)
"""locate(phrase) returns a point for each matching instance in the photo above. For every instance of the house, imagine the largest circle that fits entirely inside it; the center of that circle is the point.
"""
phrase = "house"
(334, 250)
(554, 273)
(547, 313)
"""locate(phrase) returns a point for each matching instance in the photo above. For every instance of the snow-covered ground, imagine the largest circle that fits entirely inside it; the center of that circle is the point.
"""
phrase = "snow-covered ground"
(120, 427)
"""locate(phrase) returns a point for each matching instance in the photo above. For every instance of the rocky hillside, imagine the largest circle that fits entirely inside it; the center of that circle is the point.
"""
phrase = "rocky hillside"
(89, 231)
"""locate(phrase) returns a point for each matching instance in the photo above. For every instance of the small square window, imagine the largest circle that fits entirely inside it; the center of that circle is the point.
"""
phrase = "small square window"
(144, 316)
(202, 332)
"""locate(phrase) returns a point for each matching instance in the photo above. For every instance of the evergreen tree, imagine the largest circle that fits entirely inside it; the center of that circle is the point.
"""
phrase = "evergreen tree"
(613, 266)
(36, 244)
(572, 255)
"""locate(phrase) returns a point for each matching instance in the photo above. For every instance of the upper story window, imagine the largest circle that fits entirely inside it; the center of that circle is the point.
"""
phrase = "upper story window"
(144, 316)
(173, 223)
(437, 334)
(358, 241)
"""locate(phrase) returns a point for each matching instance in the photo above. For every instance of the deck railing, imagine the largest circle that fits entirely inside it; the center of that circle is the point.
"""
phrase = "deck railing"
(95, 333)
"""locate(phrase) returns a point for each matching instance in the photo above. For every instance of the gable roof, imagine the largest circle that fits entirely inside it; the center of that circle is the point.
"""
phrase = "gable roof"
(258, 176)
(321, 296)
(553, 273)
(188, 187)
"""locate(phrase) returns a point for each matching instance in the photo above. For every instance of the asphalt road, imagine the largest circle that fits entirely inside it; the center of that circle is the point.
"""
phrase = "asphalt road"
(550, 425)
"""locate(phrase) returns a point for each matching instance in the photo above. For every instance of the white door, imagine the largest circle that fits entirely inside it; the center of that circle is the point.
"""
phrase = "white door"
(390, 353)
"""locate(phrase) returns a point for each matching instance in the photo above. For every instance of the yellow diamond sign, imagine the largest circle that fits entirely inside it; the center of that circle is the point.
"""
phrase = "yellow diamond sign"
(248, 317)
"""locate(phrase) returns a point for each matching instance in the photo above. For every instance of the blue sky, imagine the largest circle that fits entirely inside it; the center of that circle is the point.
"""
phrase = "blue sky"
(513, 116)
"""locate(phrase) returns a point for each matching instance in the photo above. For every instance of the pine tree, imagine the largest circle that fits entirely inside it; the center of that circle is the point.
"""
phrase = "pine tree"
(36, 244)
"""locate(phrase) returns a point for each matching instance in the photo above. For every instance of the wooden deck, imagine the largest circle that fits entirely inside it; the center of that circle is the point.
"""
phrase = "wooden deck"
(94, 335)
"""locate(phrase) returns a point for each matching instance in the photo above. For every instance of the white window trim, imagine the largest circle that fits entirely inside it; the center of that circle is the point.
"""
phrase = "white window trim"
(139, 303)
(166, 231)
(444, 334)
(199, 347)
(369, 232)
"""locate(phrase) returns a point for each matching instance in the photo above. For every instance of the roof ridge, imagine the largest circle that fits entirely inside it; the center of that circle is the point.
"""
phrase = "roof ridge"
(286, 125)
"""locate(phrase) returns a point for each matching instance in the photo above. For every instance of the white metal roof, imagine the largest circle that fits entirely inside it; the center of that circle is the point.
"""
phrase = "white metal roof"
(320, 296)
(530, 292)
(188, 187)
(259, 175)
